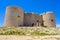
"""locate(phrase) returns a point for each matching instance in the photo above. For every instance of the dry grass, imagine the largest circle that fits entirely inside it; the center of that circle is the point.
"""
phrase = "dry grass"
(29, 31)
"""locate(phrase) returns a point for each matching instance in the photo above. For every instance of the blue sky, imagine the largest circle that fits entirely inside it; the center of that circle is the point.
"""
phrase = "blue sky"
(37, 6)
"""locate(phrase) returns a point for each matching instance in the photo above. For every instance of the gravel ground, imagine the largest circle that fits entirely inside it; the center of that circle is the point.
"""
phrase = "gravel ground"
(17, 37)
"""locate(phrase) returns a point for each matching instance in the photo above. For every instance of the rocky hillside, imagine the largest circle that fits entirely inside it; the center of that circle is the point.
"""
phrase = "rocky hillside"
(29, 31)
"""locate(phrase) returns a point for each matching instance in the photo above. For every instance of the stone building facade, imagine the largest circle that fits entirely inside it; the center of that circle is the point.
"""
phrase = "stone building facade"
(15, 16)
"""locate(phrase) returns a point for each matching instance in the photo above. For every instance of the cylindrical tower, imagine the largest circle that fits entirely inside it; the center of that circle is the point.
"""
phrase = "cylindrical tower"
(49, 19)
(12, 17)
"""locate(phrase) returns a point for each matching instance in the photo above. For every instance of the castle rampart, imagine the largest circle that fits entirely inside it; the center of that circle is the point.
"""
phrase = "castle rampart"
(15, 16)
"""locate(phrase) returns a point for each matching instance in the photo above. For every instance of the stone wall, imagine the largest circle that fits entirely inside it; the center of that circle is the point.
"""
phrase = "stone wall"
(49, 19)
(14, 16)
(31, 18)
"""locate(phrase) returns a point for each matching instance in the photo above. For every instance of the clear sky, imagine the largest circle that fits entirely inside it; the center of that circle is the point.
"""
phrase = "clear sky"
(37, 6)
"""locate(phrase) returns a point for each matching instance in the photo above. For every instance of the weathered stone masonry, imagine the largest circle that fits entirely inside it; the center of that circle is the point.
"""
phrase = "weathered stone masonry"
(15, 16)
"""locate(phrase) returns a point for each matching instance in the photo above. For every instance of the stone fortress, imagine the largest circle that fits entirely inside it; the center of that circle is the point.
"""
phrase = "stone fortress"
(15, 16)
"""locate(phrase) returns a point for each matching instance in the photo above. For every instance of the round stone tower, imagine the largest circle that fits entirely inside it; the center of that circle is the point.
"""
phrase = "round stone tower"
(14, 16)
(49, 19)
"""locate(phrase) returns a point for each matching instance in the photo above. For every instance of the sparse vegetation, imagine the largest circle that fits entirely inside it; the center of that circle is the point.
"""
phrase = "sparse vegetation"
(44, 26)
(29, 31)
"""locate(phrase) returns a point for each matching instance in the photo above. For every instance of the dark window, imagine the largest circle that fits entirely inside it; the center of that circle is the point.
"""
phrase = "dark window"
(52, 20)
(41, 15)
(37, 20)
(18, 16)
(32, 24)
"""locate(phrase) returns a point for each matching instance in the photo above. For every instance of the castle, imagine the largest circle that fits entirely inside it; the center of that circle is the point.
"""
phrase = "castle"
(15, 16)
